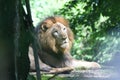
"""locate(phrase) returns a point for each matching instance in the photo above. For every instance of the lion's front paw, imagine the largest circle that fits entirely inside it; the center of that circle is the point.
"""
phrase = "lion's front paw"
(95, 65)
(85, 64)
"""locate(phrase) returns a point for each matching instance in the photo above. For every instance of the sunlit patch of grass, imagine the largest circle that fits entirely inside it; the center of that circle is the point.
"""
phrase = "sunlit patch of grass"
(47, 77)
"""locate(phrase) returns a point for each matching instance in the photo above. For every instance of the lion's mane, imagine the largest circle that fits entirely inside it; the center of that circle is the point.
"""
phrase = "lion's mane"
(47, 41)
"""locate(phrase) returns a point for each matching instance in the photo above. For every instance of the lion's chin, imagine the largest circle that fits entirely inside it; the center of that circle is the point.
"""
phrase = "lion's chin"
(65, 45)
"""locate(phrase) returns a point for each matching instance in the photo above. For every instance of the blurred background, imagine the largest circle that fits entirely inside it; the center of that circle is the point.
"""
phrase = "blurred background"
(95, 23)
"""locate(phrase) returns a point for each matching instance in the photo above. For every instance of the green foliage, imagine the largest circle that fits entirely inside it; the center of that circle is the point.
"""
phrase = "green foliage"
(31, 77)
(108, 46)
(47, 77)
(91, 20)
(44, 8)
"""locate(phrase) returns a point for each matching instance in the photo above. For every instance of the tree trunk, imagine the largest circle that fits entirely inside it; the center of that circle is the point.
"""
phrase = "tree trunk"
(14, 42)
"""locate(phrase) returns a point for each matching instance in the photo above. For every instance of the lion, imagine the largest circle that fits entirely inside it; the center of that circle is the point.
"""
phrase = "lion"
(56, 39)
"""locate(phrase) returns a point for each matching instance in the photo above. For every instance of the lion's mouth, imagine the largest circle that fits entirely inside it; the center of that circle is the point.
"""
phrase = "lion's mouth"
(64, 44)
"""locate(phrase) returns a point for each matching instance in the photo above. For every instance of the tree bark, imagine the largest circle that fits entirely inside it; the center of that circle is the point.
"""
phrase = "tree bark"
(14, 42)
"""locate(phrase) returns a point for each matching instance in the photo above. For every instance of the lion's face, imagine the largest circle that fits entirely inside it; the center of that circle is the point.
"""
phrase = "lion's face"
(59, 32)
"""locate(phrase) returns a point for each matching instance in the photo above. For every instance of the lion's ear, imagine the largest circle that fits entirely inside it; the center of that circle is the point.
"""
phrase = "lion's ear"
(44, 27)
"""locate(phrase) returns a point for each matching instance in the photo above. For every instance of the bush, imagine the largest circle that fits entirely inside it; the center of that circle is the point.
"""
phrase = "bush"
(92, 21)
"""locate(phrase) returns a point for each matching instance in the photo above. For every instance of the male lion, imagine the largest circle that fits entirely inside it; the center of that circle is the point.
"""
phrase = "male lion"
(55, 38)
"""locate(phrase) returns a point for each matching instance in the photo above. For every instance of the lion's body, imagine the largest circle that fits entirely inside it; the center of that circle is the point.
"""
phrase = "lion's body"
(55, 38)
(55, 42)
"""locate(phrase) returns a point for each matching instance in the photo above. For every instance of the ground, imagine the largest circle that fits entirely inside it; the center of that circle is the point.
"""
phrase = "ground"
(105, 73)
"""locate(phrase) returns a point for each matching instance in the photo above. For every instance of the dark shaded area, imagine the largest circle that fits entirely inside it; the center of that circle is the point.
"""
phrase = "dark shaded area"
(14, 42)
(7, 16)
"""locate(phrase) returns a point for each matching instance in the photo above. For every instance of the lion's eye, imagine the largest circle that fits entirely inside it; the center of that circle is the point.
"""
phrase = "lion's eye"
(55, 33)
(64, 29)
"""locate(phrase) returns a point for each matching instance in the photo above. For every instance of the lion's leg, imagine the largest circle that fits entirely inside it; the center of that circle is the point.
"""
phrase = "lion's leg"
(84, 64)
(60, 70)
(70, 62)
(43, 66)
